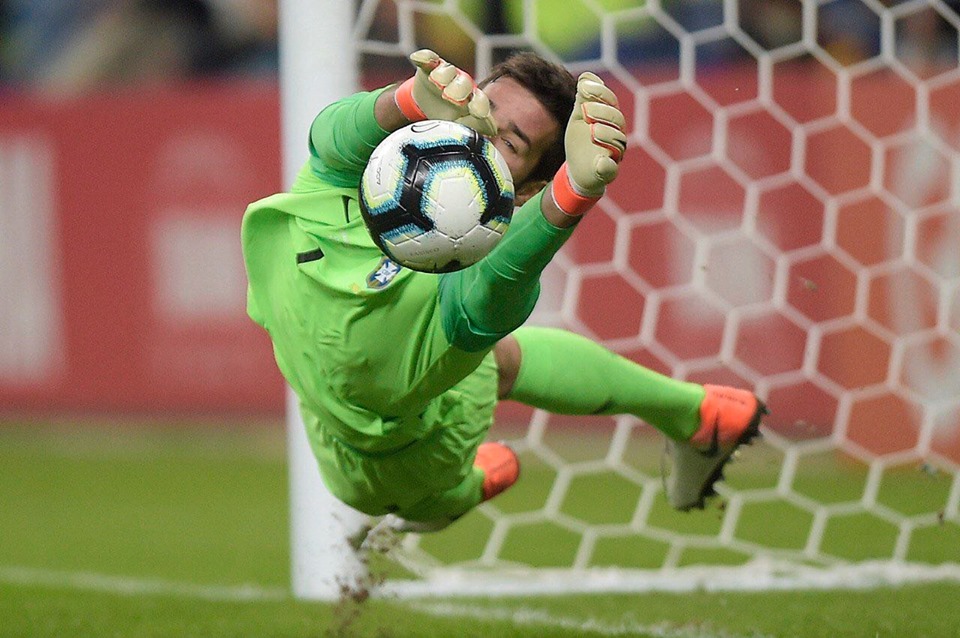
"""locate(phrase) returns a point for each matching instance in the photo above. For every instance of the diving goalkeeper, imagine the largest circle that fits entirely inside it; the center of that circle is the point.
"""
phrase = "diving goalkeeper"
(398, 372)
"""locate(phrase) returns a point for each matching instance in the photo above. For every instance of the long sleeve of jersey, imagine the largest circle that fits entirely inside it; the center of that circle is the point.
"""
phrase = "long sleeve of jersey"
(342, 138)
(485, 302)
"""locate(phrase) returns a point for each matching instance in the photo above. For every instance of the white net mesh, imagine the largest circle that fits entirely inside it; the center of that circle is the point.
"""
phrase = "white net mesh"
(787, 219)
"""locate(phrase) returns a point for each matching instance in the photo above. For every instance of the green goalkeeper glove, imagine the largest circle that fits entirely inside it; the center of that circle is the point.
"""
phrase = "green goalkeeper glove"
(441, 91)
(594, 143)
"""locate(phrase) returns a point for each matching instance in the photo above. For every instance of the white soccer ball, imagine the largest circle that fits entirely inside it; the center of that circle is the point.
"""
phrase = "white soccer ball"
(436, 196)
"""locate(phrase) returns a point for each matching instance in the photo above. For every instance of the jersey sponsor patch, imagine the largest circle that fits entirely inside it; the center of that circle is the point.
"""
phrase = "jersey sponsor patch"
(385, 272)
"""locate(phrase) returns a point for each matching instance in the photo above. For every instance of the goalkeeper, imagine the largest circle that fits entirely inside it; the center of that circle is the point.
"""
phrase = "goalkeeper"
(398, 372)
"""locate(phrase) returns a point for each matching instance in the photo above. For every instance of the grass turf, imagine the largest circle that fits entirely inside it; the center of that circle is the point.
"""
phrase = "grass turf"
(197, 507)
(916, 611)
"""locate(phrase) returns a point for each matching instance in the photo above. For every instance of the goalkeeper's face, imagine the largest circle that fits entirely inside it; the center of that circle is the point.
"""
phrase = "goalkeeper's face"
(526, 131)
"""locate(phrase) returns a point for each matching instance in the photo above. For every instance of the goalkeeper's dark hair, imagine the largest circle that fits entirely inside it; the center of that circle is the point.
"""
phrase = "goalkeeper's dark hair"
(554, 88)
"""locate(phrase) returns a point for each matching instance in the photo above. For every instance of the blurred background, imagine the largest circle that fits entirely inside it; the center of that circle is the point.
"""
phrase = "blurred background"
(132, 135)
(90, 45)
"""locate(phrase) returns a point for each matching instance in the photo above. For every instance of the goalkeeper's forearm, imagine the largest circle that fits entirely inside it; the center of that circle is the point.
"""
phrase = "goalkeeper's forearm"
(386, 111)
(483, 303)
(553, 213)
(343, 137)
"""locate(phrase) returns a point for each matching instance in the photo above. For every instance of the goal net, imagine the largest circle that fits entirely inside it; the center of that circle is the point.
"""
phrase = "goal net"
(787, 218)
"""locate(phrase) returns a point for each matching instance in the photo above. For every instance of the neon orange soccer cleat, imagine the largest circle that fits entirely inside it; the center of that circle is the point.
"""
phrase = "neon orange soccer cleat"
(500, 465)
(729, 418)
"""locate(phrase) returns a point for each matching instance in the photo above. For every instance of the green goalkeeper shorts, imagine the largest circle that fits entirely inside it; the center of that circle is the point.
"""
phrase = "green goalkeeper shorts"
(429, 479)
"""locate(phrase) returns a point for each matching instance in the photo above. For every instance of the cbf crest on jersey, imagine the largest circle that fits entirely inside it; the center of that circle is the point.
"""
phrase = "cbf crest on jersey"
(384, 273)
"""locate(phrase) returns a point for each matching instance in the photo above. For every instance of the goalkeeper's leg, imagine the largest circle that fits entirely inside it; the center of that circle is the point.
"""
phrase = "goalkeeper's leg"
(495, 469)
(565, 373)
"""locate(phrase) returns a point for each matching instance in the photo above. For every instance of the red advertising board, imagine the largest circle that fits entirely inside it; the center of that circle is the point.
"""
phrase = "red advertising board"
(130, 206)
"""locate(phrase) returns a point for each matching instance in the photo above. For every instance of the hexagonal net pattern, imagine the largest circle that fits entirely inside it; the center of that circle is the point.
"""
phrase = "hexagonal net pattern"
(787, 218)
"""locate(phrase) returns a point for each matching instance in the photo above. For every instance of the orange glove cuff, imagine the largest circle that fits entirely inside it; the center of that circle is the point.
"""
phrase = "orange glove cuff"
(566, 197)
(405, 102)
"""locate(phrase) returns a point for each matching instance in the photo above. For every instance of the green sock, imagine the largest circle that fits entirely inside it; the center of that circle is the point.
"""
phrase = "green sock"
(565, 373)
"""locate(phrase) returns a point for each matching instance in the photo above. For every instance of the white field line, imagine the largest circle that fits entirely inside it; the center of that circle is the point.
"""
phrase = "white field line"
(525, 616)
(521, 616)
(757, 576)
(126, 586)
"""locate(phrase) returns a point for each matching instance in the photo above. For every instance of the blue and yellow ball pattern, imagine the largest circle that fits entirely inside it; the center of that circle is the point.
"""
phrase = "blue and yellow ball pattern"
(436, 196)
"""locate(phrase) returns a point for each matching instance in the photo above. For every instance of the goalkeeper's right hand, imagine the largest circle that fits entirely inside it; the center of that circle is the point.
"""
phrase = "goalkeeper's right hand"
(441, 91)
(594, 143)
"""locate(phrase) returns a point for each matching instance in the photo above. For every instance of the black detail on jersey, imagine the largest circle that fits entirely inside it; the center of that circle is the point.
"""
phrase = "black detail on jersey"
(310, 255)
(346, 208)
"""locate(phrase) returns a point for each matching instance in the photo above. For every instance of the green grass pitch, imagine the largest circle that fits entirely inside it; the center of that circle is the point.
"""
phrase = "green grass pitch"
(137, 530)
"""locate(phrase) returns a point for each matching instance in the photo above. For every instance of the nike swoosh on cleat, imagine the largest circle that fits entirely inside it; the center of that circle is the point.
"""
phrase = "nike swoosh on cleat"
(714, 440)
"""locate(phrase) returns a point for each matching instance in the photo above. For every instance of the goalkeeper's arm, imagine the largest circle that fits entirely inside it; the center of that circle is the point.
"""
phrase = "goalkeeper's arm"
(485, 302)
(344, 135)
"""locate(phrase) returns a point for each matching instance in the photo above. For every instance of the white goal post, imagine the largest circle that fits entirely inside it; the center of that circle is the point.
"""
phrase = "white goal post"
(788, 219)
(317, 67)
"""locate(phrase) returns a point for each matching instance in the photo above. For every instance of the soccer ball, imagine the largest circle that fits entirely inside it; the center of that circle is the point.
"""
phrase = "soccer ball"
(436, 196)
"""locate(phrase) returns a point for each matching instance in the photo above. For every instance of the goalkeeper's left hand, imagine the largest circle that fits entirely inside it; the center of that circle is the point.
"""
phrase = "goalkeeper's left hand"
(441, 91)
(595, 141)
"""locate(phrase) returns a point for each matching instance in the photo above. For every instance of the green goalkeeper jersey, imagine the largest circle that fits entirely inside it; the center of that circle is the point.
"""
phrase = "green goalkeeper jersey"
(386, 361)
(357, 336)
